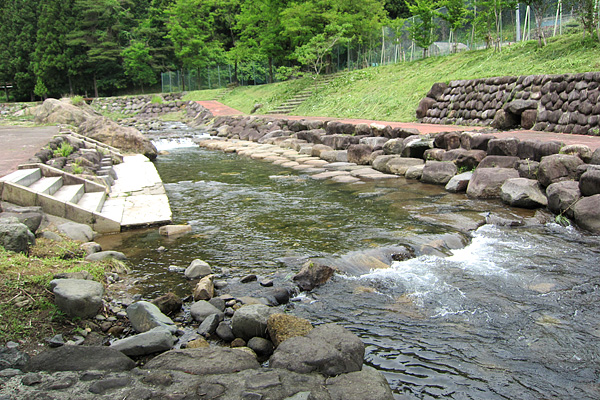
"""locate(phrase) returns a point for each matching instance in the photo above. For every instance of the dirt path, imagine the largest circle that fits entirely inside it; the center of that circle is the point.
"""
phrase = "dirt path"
(18, 144)
(219, 109)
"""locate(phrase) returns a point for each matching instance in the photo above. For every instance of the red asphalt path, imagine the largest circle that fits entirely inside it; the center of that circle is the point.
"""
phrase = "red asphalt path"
(219, 109)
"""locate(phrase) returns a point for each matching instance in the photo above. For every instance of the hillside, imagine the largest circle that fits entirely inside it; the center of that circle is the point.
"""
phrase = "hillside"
(392, 92)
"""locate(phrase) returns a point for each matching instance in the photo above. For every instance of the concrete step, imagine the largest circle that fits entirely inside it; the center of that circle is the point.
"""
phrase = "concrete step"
(113, 208)
(24, 177)
(92, 201)
(70, 193)
(48, 185)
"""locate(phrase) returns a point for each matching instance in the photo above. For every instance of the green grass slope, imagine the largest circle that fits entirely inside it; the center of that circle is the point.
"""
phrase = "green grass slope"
(392, 93)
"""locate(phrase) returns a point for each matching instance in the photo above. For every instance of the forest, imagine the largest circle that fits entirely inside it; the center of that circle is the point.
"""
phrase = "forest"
(53, 48)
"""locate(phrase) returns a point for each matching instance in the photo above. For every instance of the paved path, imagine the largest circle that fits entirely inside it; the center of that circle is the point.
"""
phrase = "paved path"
(592, 141)
(18, 144)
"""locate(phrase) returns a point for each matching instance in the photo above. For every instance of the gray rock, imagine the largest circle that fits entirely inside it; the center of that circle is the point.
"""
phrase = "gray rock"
(15, 236)
(104, 385)
(77, 297)
(586, 213)
(589, 183)
(528, 169)
(438, 172)
(558, 167)
(595, 157)
(30, 219)
(12, 358)
(76, 231)
(580, 150)
(201, 309)
(486, 182)
(144, 316)
(168, 303)
(523, 192)
(197, 269)
(354, 386)
(518, 106)
(498, 162)
(562, 196)
(224, 332)
(313, 274)
(80, 358)
(467, 159)
(91, 248)
(103, 255)
(218, 302)
(503, 147)
(251, 320)
(329, 349)
(261, 346)
(209, 325)
(415, 146)
(414, 172)
(393, 147)
(459, 183)
(153, 341)
(204, 361)
(50, 236)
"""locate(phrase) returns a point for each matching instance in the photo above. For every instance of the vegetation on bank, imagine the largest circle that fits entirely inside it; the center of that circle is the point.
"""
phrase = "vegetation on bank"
(27, 308)
(392, 93)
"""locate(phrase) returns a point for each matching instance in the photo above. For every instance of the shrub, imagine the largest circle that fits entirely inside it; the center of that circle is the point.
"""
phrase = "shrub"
(64, 150)
(156, 100)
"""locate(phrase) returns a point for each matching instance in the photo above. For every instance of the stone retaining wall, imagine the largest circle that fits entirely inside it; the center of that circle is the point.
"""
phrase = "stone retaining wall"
(130, 105)
(568, 103)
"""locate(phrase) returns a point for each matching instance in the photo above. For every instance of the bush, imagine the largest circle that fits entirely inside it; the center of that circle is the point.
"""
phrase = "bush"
(64, 150)
(156, 100)
(77, 100)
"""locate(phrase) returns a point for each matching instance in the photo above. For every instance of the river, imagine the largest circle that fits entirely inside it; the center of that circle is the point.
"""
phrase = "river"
(500, 313)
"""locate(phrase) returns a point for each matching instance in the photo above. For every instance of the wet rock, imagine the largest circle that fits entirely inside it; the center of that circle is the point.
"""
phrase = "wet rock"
(438, 172)
(523, 192)
(202, 309)
(284, 326)
(153, 341)
(562, 196)
(281, 295)
(168, 303)
(75, 231)
(224, 332)
(144, 316)
(313, 274)
(204, 361)
(80, 358)
(197, 269)
(328, 349)
(15, 236)
(266, 282)
(250, 321)
(205, 289)
(414, 172)
(459, 183)
(173, 230)
(248, 278)
(209, 325)
(77, 297)
(261, 346)
(586, 213)
(589, 183)
(558, 167)
(487, 182)
(103, 255)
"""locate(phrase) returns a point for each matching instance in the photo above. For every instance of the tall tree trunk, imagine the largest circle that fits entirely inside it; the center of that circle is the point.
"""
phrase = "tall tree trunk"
(235, 73)
(270, 69)
(70, 85)
(95, 86)
(182, 80)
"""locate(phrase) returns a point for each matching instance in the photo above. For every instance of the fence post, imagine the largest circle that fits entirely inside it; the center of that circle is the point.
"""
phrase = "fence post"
(219, 72)
(208, 74)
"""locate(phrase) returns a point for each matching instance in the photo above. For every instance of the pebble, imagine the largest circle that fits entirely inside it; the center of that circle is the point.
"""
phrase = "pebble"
(56, 341)
(10, 372)
(220, 284)
(266, 283)
(248, 278)
(12, 345)
(100, 317)
(161, 249)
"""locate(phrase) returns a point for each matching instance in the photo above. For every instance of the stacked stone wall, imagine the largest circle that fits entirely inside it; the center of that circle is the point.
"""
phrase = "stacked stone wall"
(140, 105)
(568, 103)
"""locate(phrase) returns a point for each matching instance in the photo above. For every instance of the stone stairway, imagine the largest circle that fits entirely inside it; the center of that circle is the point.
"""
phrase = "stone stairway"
(293, 103)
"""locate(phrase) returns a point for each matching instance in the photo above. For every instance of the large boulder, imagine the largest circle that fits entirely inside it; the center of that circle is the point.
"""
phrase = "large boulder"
(503, 147)
(77, 231)
(562, 196)
(127, 139)
(468, 159)
(202, 309)
(424, 105)
(144, 316)
(360, 154)
(589, 183)
(77, 297)
(558, 167)
(357, 385)
(393, 146)
(204, 361)
(523, 192)
(498, 162)
(586, 213)
(30, 218)
(580, 150)
(487, 182)
(399, 166)
(328, 349)
(251, 320)
(415, 146)
(153, 341)
(438, 172)
(284, 326)
(313, 274)
(54, 111)
(15, 236)
(459, 183)
(80, 358)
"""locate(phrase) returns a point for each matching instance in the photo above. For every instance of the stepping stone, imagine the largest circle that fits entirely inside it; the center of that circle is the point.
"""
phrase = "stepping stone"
(329, 174)
(345, 179)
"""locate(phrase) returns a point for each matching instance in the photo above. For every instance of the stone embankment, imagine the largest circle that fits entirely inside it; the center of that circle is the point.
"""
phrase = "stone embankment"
(568, 103)
(522, 173)
(132, 105)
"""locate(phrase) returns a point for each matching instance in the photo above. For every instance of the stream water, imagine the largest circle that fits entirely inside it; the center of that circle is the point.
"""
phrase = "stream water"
(513, 314)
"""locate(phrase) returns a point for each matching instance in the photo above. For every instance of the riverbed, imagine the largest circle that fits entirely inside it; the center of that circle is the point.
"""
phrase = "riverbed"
(492, 313)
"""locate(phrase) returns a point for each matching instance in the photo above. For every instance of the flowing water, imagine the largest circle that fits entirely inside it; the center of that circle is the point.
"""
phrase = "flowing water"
(511, 315)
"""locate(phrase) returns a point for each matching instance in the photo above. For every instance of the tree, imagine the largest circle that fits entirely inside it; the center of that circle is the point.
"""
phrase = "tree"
(396, 9)
(488, 20)
(589, 16)
(539, 9)
(153, 31)
(456, 16)
(318, 47)
(422, 24)
(137, 63)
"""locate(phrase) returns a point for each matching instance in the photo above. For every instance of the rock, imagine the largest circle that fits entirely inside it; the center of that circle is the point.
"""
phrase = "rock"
(250, 321)
(415, 146)
(580, 150)
(486, 182)
(317, 149)
(280, 294)
(586, 213)
(261, 346)
(393, 147)
(518, 106)
(53, 111)
(30, 219)
(354, 386)
(103, 255)
(153, 341)
(595, 157)
(437, 90)
(203, 361)
(498, 162)
(475, 140)
(168, 303)
(505, 120)
(197, 269)
(197, 343)
(313, 274)
(438, 172)
(238, 342)
(528, 119)
(12, 358)
(528, 169)
(414, 172)
(328, 349)
(75, 231)
(91, 248)
(589, 183)
(558, 167)
(80, 358)
(459, 183)
(424, 105)
(248, 278)
(55, 237)
(218, 303)
(104, 385)
(399, 166)
(173, 230)
(205, 289)
(144, 316)
(15, 236)
(360, 154)
(225, 333)
(77, 297)
(523, 192)
(56, 341)
(202, 309)
(284, 326)
(468, 159)
(562, 196)
(508, 147)
(210, 324)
